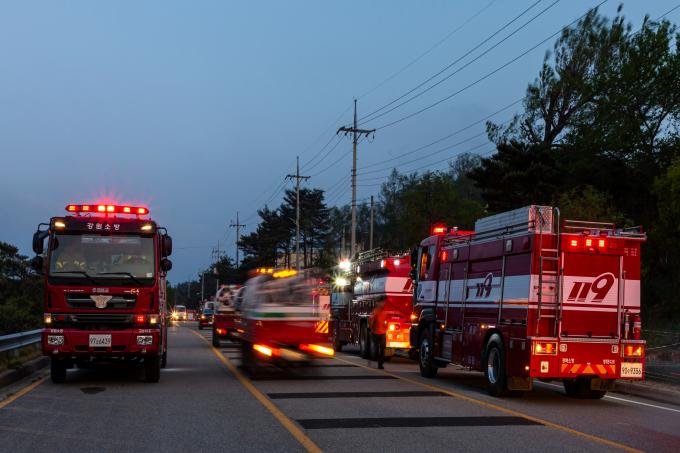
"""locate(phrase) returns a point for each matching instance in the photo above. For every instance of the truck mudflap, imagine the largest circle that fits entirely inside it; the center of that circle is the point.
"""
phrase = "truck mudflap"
(605, 359)
(71, 342)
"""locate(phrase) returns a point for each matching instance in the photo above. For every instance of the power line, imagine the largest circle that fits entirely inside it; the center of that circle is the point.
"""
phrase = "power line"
(452, 134)
(489, 74)
(428, 51)
(367, 118)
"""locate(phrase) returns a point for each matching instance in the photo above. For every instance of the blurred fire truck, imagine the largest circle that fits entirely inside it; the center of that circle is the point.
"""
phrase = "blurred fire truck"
(282, 313)
(376, 274)
(526, 296)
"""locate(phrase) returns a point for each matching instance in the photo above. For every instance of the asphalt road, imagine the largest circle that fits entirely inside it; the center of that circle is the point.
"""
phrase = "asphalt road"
(343, 404)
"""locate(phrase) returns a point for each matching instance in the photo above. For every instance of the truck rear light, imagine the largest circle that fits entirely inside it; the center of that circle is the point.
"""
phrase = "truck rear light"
(55, 340)
(47, 317)
(264, 350)
(318, 349)
(633, 351)
(545, 348)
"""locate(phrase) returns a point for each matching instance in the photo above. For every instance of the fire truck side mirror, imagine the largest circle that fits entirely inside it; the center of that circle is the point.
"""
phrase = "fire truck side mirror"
(166, 245)
(38, 239)
(166, 265)
(37, 264)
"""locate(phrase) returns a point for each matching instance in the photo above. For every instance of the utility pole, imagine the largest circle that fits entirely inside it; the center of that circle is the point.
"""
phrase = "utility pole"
(342, 247)
(238, 227)
(370, 240)
(356, 133)
(202, 286)
(297, 178)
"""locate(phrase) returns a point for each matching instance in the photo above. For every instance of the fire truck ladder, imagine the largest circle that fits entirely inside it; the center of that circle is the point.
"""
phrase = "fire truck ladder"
(549, 272)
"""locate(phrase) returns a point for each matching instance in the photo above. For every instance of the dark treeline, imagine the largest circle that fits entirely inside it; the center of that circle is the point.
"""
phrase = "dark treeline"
(21, 304)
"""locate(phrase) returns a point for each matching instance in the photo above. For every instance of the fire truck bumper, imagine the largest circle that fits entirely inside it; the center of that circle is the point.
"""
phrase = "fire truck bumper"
(100, 343)
(606, 359)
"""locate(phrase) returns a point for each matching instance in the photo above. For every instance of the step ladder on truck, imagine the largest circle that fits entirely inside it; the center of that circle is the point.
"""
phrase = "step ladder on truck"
(527, 296)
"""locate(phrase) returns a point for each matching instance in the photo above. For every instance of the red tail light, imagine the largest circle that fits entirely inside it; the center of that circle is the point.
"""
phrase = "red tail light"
(445, 255)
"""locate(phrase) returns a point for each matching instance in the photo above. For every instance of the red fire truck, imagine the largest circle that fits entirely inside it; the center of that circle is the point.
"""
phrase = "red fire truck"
(104, 274)
(376, 274)
(227, 313)
(281, 320)
(527, 296)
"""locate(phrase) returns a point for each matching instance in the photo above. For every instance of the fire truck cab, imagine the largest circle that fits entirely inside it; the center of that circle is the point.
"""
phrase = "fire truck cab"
(527, 296)
(105, 296)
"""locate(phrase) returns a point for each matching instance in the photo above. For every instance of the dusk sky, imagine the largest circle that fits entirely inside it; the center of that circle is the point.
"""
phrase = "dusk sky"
(198, 109)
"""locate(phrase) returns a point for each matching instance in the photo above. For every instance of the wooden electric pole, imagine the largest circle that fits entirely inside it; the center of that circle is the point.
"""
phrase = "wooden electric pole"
(356, 133)
(238, 227)
(297, 178)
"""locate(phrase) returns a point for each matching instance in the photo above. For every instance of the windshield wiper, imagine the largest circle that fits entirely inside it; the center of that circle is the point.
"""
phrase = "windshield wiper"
(135, 279)
(77, 272)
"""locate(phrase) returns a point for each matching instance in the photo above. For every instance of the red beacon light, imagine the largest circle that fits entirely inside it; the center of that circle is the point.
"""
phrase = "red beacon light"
(107, 209)
(438, 229)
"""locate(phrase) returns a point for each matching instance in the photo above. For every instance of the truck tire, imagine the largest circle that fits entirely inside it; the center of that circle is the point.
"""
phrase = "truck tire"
(215, 339)
(426, 363)
(580, 388)
(363, 342)
(152, 368)
(57, 370)
(493, 365)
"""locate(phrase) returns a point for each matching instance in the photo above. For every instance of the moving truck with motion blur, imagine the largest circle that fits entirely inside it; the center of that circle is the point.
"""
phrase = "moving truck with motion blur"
(530, 296)
(104, 269)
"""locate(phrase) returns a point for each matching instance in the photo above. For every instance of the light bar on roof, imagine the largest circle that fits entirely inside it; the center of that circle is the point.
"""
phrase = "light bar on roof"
(107, 209)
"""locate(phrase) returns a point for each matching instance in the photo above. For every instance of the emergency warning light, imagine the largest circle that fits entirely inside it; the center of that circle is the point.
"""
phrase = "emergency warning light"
(438, 229)
(107, 209)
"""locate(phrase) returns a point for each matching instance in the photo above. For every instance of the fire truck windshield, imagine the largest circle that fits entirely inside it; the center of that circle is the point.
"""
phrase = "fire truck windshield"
(102, 257)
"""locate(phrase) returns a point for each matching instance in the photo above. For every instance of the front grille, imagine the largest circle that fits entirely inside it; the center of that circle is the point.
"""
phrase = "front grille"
(100, 321)
(116, 302)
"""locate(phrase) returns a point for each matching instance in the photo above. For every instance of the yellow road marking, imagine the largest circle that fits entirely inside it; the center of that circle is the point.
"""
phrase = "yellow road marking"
(287, 423)
(21, 392)
(502, 409)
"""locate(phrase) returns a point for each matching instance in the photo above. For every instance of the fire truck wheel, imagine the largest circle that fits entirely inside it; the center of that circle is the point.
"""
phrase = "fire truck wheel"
(494, 367)
(363, 342)
(580, 388)
(58, 370)
(426, 358)
(152, 368)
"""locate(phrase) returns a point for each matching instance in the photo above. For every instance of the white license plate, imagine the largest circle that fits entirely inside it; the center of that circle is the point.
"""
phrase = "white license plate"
(100, 340)
(631, 370)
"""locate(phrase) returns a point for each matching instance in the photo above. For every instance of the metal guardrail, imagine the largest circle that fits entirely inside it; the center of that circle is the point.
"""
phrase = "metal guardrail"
(19, 340)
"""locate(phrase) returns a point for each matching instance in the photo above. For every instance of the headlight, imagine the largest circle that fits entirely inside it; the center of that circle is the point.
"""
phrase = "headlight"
(144, 340)
(48, 318)
(202, 316)
(55, 340)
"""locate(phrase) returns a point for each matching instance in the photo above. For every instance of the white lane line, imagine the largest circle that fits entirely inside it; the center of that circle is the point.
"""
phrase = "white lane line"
(620, 399)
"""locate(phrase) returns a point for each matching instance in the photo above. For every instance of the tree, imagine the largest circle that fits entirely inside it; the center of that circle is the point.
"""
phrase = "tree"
(21, 303)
